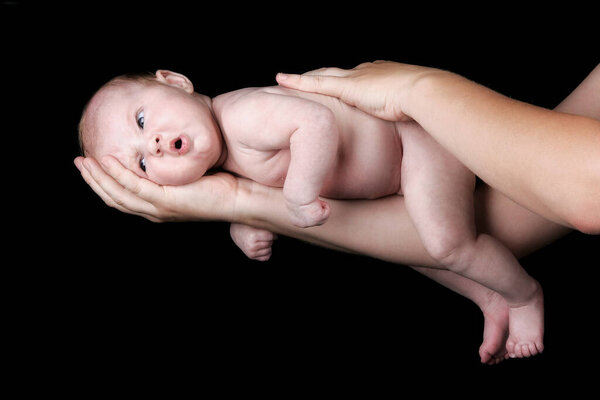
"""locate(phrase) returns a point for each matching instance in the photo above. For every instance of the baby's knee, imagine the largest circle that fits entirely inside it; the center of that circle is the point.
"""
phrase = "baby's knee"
(451, 251)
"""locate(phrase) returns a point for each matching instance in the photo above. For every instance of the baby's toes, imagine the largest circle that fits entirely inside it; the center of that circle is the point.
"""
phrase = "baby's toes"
(526, 350)
(536, 348)
(539, 347)
(510, 348)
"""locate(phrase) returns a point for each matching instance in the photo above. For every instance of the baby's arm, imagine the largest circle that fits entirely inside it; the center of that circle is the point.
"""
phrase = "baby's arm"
(274, 122)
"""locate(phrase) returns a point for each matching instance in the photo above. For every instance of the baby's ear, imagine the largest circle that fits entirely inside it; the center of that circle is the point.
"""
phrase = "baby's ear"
(175, 79)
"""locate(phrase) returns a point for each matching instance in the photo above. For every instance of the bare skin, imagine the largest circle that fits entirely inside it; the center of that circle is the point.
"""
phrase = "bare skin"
(226, 198)
(476, 125)
(314, 145)
(496, 137)
(222, 197)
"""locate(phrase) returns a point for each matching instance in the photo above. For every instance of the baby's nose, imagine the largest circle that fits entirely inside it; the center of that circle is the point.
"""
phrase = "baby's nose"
(154, 145)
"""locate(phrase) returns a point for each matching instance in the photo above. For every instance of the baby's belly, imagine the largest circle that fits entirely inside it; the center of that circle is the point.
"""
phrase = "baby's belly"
(369, 162)
(368, 159)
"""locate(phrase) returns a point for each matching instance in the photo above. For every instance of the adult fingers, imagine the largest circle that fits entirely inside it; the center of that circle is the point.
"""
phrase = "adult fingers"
(331, 71)
(113, 193)
(87, 177)
(314, 81)
(139, 187)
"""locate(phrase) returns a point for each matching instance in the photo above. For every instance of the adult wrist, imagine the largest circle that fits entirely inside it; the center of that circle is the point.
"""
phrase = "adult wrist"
(252, 202)
(426, 84)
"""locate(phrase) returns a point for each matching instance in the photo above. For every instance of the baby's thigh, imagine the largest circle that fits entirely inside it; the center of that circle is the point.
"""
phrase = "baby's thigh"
(428, 166)
(437, 188)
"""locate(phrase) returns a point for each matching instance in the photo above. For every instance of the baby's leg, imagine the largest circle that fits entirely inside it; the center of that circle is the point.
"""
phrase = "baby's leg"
(255, 243)
(438, 193)
(492, 305)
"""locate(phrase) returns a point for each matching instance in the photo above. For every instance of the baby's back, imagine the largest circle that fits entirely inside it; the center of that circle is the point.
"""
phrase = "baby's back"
(368, 158)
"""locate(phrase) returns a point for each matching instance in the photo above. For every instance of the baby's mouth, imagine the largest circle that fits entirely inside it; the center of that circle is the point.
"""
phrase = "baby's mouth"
(180, 145)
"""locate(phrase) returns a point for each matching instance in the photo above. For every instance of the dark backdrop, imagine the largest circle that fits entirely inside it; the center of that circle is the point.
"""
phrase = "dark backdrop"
(112, 297)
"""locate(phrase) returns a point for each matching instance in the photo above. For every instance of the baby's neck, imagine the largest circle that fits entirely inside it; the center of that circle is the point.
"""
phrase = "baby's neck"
(223, 156)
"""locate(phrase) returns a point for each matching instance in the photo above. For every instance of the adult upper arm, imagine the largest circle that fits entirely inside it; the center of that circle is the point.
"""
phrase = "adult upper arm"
(585, 99)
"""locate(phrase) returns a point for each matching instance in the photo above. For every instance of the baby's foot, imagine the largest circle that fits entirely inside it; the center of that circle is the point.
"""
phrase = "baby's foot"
(526, 327)
(495, 329)
(255, 243)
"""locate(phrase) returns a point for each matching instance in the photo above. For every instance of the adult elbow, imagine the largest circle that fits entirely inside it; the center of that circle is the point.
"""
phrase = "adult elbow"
(585, 213)
(587, 218)
(588, 226)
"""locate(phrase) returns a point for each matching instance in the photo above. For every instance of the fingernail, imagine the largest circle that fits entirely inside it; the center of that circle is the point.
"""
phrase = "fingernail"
(281, 76)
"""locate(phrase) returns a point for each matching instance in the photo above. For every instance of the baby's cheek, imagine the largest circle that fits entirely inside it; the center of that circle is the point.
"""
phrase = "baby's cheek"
(176, 172)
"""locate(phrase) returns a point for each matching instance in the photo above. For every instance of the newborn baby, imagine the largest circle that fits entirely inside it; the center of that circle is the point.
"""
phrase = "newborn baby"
(311, 145)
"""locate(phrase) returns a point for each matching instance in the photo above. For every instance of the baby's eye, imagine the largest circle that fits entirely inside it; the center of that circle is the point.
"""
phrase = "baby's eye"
(143, 164)
(140, 118)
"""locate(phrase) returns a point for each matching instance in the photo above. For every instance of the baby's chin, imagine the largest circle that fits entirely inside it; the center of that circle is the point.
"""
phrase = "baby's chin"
(176, 180)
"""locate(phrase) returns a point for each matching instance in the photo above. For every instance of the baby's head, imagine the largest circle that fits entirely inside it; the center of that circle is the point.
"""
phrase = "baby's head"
(155, 125)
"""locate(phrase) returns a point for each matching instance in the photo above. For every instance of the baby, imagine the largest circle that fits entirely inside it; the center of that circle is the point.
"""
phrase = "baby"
(311, 145)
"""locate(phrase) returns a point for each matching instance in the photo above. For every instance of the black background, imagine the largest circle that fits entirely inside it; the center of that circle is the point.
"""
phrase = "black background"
(99, 297)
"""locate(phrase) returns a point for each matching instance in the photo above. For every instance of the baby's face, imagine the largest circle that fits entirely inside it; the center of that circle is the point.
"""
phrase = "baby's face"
(159, 131)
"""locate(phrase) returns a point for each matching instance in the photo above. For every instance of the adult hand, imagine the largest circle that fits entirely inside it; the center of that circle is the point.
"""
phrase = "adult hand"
(379, 88)
(210, 198)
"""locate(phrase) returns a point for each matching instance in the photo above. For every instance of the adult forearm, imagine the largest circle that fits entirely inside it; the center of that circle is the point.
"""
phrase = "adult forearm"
(378, 228)
(383, 229)
(355, 226)
(548, 161)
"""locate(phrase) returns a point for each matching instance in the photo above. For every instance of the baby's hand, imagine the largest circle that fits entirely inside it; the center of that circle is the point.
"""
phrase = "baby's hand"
(255, 243)
(311, 214)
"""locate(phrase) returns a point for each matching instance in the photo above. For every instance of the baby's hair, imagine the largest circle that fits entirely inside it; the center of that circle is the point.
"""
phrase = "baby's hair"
(144, 78)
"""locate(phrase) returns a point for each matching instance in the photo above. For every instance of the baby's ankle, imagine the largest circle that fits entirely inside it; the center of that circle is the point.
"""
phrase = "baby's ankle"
(533, 294)
(490, 299)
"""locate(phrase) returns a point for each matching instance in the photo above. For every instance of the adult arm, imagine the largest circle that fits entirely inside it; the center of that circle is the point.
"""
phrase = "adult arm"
(383, 229)
(378, 228)
(547, 161)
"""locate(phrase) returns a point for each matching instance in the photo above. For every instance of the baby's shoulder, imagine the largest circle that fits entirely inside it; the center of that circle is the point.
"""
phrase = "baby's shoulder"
(241, 98)
(239, 112)
(245, 106)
